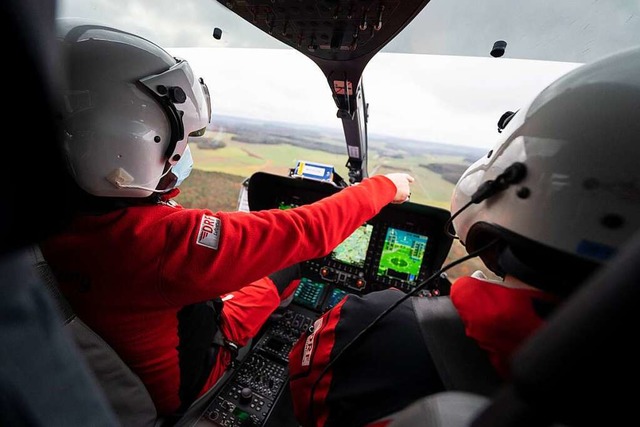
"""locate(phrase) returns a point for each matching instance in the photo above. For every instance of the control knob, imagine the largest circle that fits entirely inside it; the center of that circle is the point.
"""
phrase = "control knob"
(245, 395)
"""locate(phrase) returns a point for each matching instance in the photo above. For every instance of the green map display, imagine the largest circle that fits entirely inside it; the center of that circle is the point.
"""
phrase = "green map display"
(353, 250)
(402, 255)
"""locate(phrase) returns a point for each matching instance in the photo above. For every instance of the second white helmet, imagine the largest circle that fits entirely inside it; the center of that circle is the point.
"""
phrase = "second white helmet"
(565, 177)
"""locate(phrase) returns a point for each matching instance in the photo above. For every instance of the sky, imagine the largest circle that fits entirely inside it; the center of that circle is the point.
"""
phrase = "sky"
(435, 81)
(437, 98)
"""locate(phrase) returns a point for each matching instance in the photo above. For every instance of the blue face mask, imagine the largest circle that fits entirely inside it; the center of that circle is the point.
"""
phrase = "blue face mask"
(182, 169)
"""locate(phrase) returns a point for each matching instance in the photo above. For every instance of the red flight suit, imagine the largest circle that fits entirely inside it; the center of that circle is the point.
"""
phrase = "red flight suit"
(128, 273)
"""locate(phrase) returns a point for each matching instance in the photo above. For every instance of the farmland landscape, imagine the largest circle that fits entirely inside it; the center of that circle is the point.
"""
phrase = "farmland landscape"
(234, 148)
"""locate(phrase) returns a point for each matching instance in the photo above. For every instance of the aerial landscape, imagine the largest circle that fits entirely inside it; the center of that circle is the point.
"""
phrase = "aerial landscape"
(241, 147)
(234, 148)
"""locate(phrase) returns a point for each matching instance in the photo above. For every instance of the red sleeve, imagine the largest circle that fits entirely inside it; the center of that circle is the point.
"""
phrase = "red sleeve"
(209, 254)
(497, 317)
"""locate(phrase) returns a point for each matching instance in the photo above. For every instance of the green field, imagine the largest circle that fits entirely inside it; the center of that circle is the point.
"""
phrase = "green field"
(429, 187)
(243, 159)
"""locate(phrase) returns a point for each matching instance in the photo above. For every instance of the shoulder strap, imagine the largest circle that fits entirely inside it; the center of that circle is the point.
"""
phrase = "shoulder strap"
(461, 364)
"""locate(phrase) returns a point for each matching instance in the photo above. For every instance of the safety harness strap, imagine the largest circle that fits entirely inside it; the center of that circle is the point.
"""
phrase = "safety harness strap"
(461, 364)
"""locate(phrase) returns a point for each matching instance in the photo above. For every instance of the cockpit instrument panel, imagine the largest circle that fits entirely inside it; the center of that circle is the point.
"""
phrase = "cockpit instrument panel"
(400, 247)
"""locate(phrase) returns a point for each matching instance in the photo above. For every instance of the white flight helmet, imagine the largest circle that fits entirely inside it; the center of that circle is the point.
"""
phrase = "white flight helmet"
(561, 189)
(128, 110)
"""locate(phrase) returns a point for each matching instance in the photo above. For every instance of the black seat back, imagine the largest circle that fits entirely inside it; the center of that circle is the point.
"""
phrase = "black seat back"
(124, 390)
(462, 365)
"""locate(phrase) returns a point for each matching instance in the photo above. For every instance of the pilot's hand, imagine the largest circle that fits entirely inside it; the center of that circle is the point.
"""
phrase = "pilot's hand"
(402, 182)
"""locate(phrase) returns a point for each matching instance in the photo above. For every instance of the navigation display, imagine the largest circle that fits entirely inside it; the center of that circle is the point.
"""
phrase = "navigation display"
(402, 255)
(353, 250)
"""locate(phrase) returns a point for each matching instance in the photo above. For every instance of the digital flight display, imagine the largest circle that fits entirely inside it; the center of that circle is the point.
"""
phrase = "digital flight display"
(399, 247)
(353, 250)
(402, 255)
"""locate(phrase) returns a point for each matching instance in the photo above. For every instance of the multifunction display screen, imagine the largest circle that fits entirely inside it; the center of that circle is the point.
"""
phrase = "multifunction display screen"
(402, 255)
(353, 250)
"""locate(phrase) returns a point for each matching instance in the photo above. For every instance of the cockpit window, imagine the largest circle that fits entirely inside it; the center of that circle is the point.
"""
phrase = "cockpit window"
(435, 93)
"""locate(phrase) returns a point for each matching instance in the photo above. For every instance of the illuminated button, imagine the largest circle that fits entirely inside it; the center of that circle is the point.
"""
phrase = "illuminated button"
(324, 271)
(360, 283)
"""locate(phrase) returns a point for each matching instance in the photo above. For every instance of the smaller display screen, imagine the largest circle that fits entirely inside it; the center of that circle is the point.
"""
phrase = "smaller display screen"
(309, 293)
(274, 344)
(335, 297)
(240, 414)
(353, 250)
(402, 255)
(284, 206)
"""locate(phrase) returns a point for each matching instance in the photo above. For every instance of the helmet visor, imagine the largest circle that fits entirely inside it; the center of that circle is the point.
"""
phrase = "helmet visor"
(186, 101)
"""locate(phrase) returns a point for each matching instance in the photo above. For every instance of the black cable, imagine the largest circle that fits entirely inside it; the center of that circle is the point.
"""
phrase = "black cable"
(486, 190)
(447, 225)
(511, 175)
(386, 312)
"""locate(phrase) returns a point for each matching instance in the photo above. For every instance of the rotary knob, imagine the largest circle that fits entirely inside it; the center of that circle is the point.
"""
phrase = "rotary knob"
(245, 395)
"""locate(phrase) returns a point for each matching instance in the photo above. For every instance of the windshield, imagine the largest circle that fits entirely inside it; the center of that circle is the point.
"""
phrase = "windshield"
(435, 92)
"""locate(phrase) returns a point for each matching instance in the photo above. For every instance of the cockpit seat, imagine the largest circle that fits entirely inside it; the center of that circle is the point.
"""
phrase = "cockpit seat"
(124, 390)
(461, 364)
